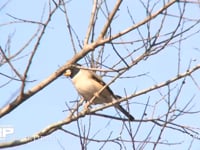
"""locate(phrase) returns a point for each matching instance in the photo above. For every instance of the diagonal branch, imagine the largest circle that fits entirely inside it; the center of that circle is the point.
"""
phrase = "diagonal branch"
(110, 19)
(10, 64)
(135, 26)
(91, 23)
(157, 86)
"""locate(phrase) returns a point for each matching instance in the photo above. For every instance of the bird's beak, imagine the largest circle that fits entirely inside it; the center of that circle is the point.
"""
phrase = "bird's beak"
(67, 73)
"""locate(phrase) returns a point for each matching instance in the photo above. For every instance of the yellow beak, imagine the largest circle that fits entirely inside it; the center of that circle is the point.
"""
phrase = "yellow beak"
(67, 73)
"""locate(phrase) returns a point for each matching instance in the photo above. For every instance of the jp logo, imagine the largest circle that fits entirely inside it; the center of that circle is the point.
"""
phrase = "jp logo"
(5, 131)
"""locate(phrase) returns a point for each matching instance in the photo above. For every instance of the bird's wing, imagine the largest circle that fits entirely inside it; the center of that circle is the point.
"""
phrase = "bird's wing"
(99, 80)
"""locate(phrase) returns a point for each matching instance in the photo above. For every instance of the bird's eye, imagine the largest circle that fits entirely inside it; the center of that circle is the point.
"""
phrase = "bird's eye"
(67, 73)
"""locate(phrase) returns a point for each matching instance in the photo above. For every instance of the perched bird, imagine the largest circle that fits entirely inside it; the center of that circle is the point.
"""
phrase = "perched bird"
(87, 83)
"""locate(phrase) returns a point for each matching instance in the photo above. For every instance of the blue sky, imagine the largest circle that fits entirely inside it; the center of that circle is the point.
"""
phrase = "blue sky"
(47, 106)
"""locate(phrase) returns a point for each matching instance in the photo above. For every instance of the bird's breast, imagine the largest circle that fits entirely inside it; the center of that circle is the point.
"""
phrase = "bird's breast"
(87, 88)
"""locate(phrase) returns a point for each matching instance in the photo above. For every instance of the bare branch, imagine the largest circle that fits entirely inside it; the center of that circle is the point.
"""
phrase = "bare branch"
(140, 23)
(110, 18)
(91, 22)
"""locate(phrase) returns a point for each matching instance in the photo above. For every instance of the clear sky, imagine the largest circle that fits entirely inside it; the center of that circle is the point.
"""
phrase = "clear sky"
(47, 106)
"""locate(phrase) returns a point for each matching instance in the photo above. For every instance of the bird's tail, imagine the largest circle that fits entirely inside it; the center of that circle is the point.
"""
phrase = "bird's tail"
(126, 113)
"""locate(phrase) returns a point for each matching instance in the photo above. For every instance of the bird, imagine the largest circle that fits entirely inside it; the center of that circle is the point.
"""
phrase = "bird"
(88, 83)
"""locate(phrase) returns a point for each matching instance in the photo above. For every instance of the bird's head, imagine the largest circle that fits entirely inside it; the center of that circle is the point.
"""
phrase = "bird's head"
(72, 71)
